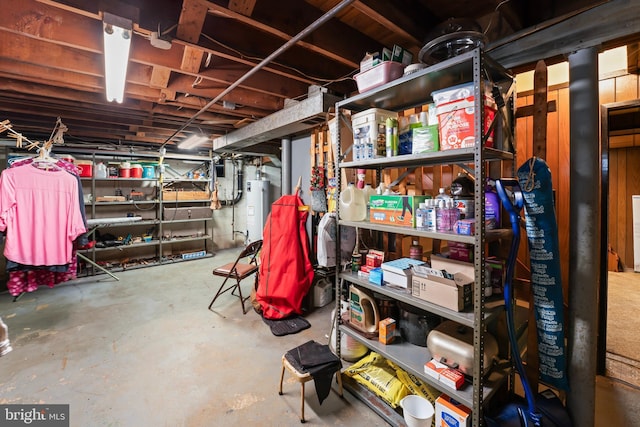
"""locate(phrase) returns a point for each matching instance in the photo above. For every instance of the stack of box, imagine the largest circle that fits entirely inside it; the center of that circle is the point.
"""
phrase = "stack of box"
(399, 272)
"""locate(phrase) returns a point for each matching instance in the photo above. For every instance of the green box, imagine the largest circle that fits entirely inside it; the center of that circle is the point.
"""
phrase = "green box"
(425, 139)
(388, 209)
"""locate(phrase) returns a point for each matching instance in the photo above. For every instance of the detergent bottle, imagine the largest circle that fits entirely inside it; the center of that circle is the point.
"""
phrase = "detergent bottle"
(364, 311)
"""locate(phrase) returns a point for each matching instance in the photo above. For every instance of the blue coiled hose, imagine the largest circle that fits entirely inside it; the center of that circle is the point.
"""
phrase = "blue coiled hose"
(513, 208)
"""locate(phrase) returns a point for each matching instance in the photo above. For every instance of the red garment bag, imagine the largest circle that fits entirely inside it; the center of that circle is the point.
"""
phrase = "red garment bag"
(286, 272)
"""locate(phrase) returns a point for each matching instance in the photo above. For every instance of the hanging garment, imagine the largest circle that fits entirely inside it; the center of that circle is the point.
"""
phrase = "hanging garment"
(21, 281)
(39, 211)
(82, 239)
(286, 273)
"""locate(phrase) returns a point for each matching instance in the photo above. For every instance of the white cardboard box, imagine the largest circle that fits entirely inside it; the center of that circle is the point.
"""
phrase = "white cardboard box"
(398, 272)
(453, 266)
(450, 413)
(456, 294)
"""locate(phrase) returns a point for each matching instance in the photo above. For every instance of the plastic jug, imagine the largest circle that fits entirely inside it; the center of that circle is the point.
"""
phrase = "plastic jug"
(352, 204)
(101, 170)
(364, 311)
(350, 349)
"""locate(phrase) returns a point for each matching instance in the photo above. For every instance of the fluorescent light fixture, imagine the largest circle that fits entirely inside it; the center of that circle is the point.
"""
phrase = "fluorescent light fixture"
(192, 142)
(117, 34)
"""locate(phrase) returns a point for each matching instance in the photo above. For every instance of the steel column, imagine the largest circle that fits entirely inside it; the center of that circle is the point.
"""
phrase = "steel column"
(584, 235)
(286, 165)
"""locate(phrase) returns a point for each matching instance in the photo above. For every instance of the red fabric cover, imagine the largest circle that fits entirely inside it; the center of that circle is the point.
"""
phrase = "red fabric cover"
(286, 272)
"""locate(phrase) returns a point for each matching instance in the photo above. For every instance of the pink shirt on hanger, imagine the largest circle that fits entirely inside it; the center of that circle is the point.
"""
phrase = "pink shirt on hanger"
(39, 210)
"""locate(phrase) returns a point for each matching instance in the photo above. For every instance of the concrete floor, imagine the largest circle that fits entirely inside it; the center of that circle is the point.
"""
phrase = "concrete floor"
(145, 351)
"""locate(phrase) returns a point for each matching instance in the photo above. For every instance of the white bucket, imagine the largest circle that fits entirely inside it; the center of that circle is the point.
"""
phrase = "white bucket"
(418, 411)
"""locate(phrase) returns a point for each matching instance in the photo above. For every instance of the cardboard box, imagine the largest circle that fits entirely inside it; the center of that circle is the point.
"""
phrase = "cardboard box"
(394, 209)
(451, 413)
(402, 55)
(172, 195)
(375, 276)
(398, 272)
(453, 266)
(455, 294)
(465, 226)
(374, 258)
(460, 251)
(444, 374)
(386, 330)
(425, 139)
(369, 61)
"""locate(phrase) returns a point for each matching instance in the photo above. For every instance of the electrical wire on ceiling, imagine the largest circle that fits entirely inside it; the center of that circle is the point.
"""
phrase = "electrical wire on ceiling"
(328, 15)
(494, 11)
(257, 58)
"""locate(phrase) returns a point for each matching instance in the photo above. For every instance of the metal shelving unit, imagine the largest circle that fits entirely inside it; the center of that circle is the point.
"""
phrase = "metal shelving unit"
(407, 92)
(151, 210)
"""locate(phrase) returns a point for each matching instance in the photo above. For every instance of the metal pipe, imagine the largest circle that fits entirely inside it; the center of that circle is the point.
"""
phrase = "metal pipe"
(238, 192)
(302, 34)
(286, 165)
(584, 235)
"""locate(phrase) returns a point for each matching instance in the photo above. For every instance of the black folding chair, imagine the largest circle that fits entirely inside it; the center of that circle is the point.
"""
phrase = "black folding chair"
(244, 266)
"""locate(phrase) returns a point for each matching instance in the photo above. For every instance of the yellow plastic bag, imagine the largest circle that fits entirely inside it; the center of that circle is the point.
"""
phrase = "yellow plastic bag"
(375, 373)
(416, 385)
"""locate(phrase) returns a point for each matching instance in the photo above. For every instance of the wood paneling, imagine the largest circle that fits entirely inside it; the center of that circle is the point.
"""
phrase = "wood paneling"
(624, 182)
(624, 170)
(558, 160)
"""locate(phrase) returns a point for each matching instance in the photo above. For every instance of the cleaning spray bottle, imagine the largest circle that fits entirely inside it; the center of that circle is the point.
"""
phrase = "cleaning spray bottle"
(491, 206)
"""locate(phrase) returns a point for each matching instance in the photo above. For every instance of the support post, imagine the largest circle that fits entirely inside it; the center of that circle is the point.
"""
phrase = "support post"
(286, 165)
(584, 235)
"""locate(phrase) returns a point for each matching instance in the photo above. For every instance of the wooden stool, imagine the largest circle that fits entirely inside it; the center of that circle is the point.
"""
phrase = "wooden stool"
(302, 378)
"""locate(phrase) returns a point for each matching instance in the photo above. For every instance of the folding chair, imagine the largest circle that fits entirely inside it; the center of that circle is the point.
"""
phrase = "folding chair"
(244, 266)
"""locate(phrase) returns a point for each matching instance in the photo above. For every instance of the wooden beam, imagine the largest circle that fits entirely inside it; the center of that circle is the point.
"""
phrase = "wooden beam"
(633, 58)
(540, 110)
(386, 14)
(160, 77)
(527, 110)
(191, 59)
(253, 23)
(244, 7)
(191, 20)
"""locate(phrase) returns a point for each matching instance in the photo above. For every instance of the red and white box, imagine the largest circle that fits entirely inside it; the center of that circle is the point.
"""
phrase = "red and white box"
(456, 122)
(444, 374)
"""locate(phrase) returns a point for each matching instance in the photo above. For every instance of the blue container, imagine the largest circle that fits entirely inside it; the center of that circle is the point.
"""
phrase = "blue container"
(148, 172)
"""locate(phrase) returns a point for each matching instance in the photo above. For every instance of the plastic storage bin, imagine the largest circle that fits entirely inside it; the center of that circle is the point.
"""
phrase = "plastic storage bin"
(378, 75)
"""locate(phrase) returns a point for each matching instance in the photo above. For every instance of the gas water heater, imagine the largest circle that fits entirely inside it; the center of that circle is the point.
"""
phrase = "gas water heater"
(258, 207)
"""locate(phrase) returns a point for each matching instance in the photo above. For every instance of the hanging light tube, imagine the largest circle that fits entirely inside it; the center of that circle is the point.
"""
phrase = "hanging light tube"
(117, 34)
(192, 142)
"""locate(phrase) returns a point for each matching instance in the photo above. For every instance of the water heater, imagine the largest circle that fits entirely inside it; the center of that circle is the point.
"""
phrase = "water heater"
(258, 207)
